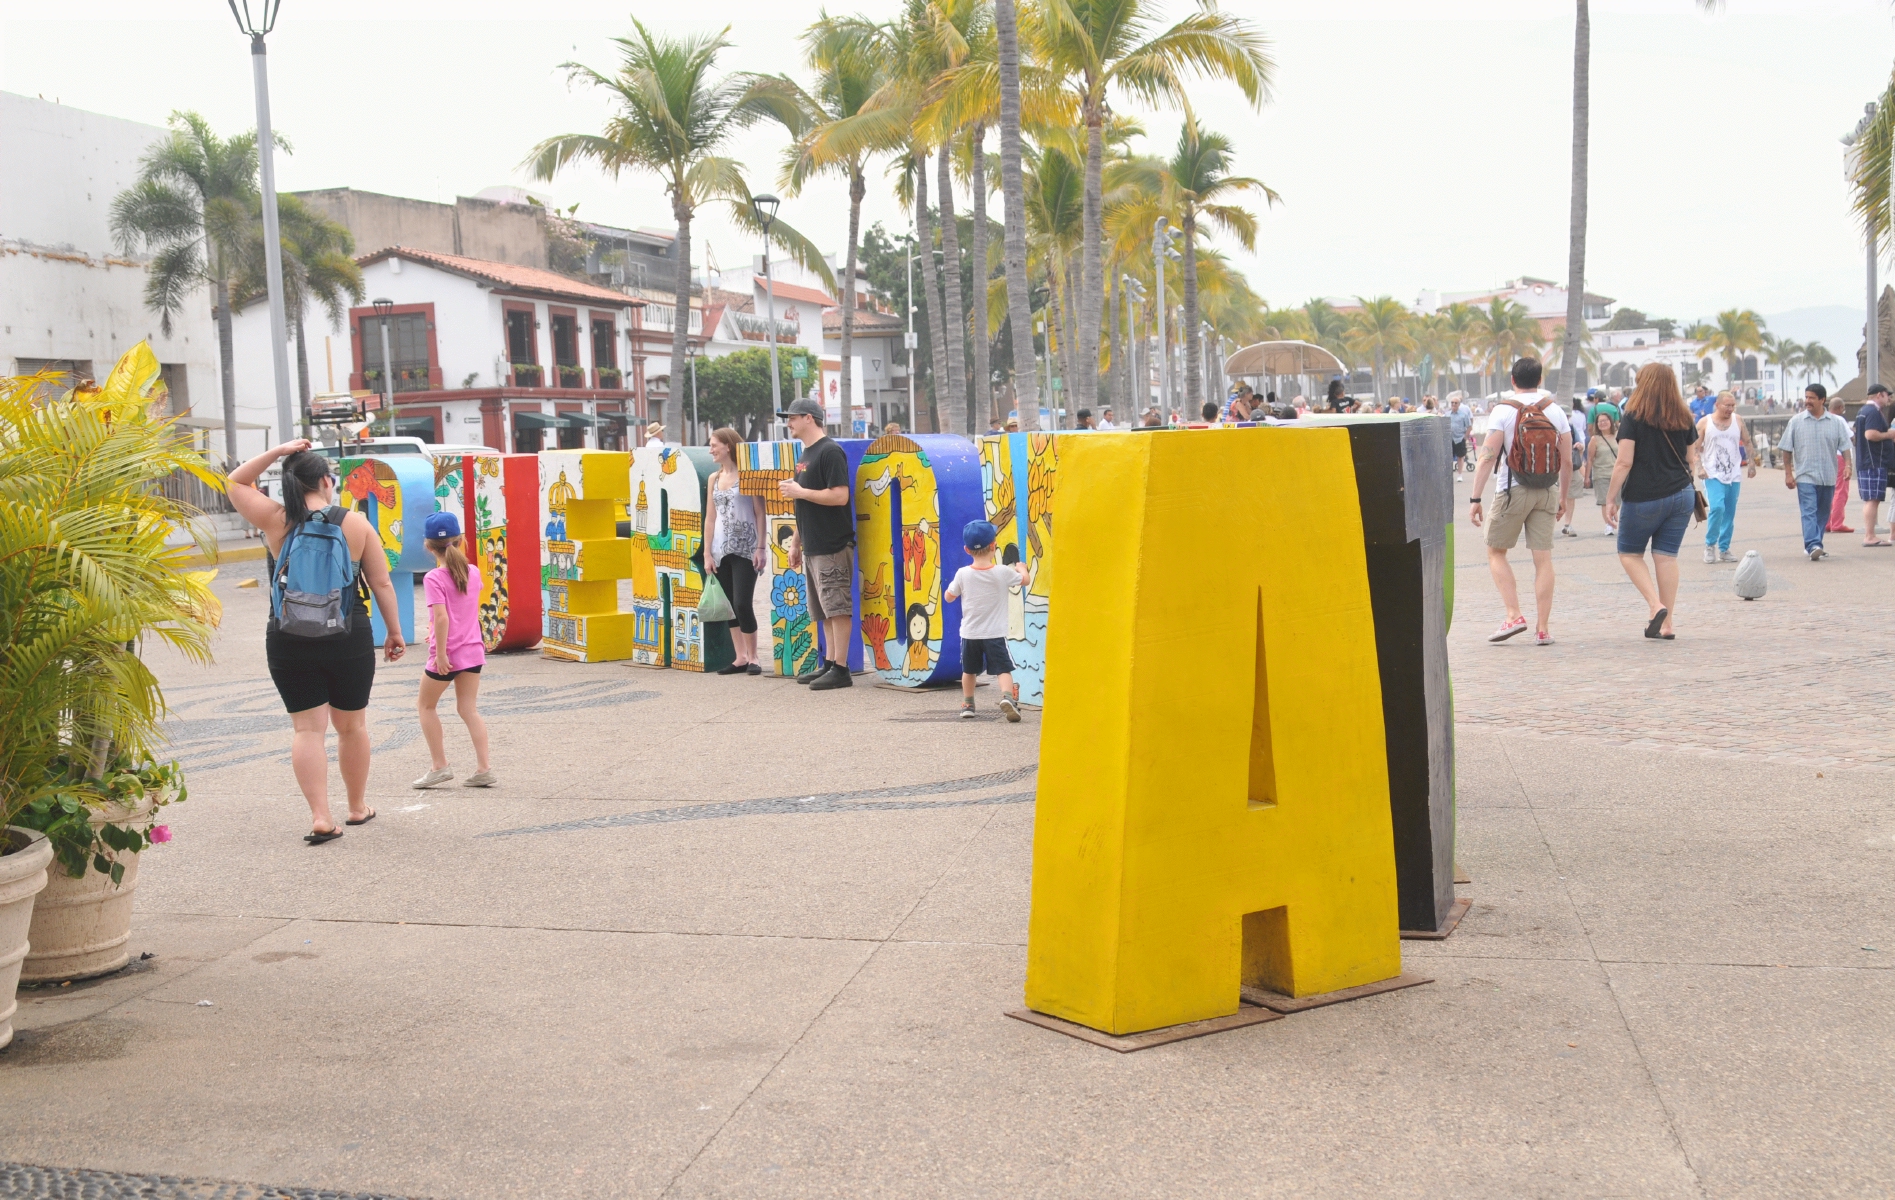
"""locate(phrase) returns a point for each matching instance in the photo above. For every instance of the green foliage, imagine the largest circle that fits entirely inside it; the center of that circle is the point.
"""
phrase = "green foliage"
(734, 389)
(85, 573)
(64, 811)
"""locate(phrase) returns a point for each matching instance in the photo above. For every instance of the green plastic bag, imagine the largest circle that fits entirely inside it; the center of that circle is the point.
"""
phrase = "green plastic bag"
(713, 605)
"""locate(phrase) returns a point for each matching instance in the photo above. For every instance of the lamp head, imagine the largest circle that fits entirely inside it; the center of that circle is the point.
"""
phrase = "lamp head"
(383, 308)
(262, 22)
(766, 206)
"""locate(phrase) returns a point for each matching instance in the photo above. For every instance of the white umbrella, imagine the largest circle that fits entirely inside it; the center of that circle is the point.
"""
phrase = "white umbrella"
(1281, 358)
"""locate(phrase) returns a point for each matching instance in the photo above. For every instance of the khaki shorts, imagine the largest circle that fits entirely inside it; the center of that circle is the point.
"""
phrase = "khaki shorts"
(1531, 509)
(831, 583)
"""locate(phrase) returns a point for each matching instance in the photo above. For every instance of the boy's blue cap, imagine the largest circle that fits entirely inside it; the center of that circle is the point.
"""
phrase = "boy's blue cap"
(442, 525)
(978, 535)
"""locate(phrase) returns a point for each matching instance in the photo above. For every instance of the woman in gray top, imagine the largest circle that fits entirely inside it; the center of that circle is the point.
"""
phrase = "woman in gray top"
(733, 548)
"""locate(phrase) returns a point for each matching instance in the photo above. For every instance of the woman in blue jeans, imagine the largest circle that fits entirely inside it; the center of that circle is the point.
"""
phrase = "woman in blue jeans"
(1651, 496)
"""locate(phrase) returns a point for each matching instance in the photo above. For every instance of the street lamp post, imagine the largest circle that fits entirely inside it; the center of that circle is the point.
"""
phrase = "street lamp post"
(382, 310)
(690, 356)
(1161, 249)
(1134, 296)
(257, 28)
(909, 341)
(766, 206)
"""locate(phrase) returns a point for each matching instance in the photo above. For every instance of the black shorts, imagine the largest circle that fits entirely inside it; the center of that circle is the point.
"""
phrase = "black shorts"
(990, 653)
(310, 672)
(474, 670)
(1460, 448)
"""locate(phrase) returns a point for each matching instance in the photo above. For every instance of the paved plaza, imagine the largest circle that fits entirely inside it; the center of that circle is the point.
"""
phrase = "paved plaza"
(719, 937)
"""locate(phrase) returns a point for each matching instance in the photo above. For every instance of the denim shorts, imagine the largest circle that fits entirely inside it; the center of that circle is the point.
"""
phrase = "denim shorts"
(1659, 522)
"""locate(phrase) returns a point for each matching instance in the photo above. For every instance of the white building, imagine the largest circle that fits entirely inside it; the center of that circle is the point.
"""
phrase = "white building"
(68, 299)
(513, 357)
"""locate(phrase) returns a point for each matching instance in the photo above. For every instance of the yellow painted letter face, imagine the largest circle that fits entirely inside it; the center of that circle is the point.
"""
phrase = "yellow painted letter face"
(1213, 798)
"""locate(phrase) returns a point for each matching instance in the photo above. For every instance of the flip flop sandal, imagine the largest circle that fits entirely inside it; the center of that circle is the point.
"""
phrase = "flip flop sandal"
(361, 821)
(318, 837)
(1656, 623)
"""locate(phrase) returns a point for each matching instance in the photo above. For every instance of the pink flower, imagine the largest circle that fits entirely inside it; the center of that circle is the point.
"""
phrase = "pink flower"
(161, 833)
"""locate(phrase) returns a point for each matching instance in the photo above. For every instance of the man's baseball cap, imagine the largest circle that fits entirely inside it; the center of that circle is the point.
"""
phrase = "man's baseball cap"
(441, 525)
(803, 408)
(1878, 389)
(978, 535)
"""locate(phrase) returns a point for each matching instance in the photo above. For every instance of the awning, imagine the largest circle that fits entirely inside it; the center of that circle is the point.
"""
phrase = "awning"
(1281, 358)
(422, 427)
(573, 420)
(535, 420)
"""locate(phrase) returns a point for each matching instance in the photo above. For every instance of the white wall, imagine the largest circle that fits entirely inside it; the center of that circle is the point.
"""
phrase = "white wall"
(65, 292)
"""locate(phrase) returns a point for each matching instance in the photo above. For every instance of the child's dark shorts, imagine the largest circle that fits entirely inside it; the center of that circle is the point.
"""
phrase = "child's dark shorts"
(988, 652)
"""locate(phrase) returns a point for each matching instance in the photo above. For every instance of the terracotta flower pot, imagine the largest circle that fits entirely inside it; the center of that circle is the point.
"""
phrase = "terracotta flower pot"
(83, 927)
(22, 875)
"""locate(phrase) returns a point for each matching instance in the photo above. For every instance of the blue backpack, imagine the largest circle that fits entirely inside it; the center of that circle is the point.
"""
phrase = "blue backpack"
(310, 584)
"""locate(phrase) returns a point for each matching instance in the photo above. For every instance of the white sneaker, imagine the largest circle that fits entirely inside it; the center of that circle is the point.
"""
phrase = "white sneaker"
(1816, 552)
(479, 779)
(433, 778)
(1725, 556)
(1710, 555)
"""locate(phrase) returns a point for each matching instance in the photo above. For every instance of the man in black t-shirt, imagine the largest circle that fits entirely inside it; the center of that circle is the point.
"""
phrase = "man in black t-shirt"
(825, 537)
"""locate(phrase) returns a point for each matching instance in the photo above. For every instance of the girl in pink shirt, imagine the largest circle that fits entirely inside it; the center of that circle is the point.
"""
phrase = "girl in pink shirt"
(455, 651)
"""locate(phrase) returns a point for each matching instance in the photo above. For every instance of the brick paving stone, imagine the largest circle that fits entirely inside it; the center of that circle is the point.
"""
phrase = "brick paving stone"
(1805, 675)
(27, 1182)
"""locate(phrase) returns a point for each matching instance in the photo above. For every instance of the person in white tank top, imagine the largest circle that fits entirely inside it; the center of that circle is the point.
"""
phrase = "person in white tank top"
(1722, 466)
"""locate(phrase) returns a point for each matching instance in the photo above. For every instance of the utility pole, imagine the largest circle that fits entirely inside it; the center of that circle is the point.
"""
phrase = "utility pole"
(257, 29)
(909, 341)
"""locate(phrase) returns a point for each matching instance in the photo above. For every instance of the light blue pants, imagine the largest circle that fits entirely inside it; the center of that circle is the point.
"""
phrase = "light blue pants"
(1722, 499)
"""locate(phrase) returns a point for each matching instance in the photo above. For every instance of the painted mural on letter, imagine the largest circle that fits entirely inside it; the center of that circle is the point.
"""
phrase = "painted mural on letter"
(1025, 466)
(787, 640)
(667, 513)
(912, 498)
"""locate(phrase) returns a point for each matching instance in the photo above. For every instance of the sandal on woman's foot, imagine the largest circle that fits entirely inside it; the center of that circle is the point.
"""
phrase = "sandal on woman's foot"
(317, 837)
(1656, 623)
(361, 820)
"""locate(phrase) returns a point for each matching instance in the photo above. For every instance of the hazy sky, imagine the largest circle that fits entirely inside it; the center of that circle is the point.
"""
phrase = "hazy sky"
(1412, 151)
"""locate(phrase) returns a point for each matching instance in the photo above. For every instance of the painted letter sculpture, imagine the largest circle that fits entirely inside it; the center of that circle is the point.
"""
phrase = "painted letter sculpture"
(1204, 821)
(396, 494)
(497, 498)
(912, 498)
(583, 558)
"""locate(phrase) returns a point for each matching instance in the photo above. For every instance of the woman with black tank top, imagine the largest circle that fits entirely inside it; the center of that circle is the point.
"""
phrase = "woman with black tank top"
(323, 681)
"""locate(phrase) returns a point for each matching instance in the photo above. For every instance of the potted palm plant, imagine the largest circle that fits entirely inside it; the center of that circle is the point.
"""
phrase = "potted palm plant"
(85, 575)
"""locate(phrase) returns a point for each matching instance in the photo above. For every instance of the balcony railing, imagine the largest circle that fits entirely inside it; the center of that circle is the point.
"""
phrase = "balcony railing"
(610, 378)
(572, 377)
(409, 376)
(664, 317)
(754, 328)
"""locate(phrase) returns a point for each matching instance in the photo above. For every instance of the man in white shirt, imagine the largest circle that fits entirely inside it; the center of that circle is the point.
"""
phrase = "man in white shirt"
(1811, 443)
(1530, 504)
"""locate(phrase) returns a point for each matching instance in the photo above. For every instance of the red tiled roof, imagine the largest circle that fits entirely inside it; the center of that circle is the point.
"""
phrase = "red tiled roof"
(867, 320)
(510, 277)
(791, 291)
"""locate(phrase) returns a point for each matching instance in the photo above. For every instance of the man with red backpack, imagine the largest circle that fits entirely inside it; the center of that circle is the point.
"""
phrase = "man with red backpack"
(1529, 451)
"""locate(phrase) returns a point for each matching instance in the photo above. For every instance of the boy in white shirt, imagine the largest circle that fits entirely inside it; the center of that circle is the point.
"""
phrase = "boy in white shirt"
(982, 588)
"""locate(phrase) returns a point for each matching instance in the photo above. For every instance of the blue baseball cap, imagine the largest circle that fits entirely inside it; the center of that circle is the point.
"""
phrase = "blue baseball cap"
(978, 535)
(442, 525)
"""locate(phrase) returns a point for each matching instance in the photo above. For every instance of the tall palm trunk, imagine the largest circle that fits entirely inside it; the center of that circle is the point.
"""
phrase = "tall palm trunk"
(1576, 254)
(1013, 193)
(1069, 341)
(1083, 390)
(1381, 397)
(673, 410)
(1193, 354)
(979, 394)
(1117, 369)
(226, 362)
(924, 232)
(858, 188)
(954, 410)
(302, 374)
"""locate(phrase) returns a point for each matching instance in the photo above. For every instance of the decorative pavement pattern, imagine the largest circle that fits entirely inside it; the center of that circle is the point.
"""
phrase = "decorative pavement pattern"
(827, 802)
(58, 1183)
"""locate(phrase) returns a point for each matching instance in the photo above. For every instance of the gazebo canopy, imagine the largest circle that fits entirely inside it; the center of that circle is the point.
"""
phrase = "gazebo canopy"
(1281, 358)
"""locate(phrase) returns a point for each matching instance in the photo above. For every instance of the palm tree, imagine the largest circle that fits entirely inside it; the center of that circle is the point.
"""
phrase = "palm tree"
(1576, 230)
(1055, 212)
(1439, 340)
(1013, 197)
(1818, 361)
(1786, 355)
(1503, 331)
(1736, 331)
(848, 73)
(1380, 330)
(673, 116)
(1460, 318)
(193, 204)
(317, 266)
(1588, 355)
(1196, 176)
(1103, 45)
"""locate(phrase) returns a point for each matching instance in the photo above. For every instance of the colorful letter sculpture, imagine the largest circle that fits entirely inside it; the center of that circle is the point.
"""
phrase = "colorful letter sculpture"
(497, 498)
(396, 494)
(783, 625)
(1015, 466)
(1402, 465)
(913, 496)
(582, 558)
(667, 507)
(1204, 821)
